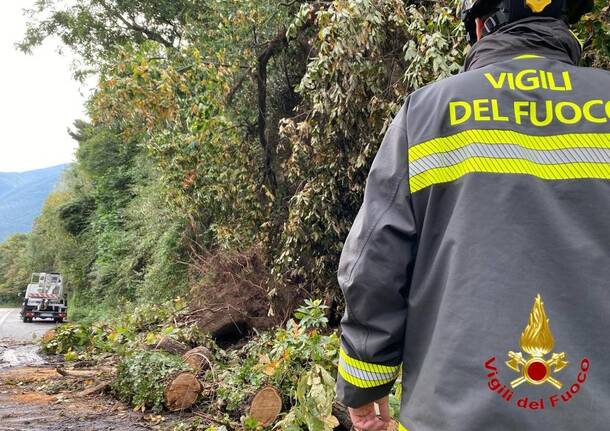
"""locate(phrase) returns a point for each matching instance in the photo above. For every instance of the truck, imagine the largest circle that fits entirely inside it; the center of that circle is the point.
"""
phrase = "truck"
(44, 298)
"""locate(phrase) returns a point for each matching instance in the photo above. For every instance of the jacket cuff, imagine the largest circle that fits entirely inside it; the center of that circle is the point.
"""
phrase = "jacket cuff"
(360, 383)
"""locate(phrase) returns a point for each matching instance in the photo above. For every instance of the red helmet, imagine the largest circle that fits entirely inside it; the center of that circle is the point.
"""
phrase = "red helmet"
(501, 12)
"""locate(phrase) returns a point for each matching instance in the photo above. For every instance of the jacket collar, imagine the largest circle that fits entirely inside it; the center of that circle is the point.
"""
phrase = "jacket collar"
(548, 37)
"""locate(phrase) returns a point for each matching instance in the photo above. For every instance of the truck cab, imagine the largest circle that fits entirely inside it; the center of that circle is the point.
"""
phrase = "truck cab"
(44, 298)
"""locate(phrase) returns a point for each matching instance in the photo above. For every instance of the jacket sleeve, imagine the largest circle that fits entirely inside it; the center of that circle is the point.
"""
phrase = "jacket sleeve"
(374, 276)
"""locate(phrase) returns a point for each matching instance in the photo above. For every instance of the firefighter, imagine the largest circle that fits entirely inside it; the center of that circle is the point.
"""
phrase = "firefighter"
(478, 267)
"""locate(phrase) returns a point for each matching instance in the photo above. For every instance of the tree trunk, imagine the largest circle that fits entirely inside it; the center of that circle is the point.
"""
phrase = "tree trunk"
(182, 391)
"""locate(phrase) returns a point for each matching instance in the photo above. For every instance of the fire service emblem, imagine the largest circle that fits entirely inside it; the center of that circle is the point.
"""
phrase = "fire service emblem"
(537, 341)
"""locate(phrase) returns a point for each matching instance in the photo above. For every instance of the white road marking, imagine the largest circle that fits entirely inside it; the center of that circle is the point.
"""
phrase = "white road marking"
(3, 319)
(11, 327)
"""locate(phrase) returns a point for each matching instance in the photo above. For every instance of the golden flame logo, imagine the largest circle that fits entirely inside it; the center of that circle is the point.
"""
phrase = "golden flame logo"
(538, 6)
(537, 338)
(537, 341)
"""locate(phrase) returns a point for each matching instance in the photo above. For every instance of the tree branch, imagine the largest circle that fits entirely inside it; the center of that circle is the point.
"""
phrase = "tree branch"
(273, 46)
(134, 26)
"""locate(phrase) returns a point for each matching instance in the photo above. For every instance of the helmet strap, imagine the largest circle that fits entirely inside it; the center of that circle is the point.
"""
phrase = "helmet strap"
(495, 21)
(509, 12)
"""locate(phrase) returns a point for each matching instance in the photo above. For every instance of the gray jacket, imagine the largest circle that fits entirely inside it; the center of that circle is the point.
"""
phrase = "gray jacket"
(478, 267)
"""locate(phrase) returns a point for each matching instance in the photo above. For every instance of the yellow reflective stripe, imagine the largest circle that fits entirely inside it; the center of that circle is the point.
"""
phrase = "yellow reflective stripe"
(582, 44)
(363, 383)
(482, 136)
(401, 427)
(365, 366)
(527, 57)
(563, 171)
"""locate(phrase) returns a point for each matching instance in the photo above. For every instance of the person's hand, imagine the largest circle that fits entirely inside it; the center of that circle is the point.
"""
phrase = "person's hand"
(365, 418)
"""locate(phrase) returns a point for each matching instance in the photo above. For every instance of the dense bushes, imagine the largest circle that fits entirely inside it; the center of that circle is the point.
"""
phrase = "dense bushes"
(14, 268)
(224, 125)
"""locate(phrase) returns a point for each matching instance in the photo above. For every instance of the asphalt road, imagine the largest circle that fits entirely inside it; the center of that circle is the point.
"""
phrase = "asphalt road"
(11, 326)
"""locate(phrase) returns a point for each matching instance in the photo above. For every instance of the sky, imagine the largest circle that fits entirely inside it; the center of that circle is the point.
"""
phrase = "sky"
(40, 99)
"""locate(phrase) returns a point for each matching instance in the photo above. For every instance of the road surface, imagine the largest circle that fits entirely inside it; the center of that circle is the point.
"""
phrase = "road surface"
(35, 397)
(11, 326)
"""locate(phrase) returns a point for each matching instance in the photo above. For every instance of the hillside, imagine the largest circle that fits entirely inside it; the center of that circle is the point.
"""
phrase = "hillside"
(22, 196)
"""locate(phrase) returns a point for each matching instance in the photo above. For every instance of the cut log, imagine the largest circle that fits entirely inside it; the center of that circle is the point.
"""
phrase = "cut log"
(170, 345)
(266, 405)
(182, 391)
(93, 390)
(199, 359)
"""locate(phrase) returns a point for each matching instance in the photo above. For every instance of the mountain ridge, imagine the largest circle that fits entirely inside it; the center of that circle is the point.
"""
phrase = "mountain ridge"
(22, 196)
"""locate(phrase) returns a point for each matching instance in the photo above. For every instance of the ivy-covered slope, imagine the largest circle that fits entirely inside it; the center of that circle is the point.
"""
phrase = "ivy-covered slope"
(241, 126)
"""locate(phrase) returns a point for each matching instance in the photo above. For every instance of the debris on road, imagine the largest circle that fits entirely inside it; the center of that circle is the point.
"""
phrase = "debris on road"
(37, 398)
(25, 355)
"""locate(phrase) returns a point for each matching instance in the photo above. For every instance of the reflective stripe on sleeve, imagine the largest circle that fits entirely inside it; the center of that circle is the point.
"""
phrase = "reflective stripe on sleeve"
(364, 374)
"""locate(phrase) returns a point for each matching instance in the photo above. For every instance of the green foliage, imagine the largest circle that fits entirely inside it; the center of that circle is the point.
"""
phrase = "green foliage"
(141, 378)
(94, 28)
(123, 334)
(75, 215)
(279, 358)
(222, 125)
(315, 395)
(14, 269)
(312, 314)
(594, 30)
(197, 424)
(109, 230)
(79, 341)
(371, 54)
(235, 123)
(191, 129)
(191, 138)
